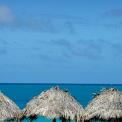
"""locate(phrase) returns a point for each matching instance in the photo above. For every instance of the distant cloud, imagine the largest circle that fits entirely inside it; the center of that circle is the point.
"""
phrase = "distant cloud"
(83, 48)
(70, 27)
(42, 25)
(61, 42)
(44, 22)
(116, 47)
(3, 46)
(114, 13)
(58, 43)
(62, 50)
(72, 18)
(55, 22)
(3, 51)
(3, 42)
(44, 57)
(49, 58)
(111, 19)
(90, 49)
(8, 19)
(6, 15)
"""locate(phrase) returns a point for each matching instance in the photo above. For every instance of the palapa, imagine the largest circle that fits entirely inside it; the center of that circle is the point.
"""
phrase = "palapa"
(8, 109)
(54, 104)
(105, 106)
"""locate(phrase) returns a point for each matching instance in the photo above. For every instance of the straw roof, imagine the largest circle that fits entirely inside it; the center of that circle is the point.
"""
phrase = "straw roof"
(8, 109)
(107, 106)
(54, 103)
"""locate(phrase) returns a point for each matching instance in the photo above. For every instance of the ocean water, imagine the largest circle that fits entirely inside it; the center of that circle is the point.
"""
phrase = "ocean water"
(22, 93)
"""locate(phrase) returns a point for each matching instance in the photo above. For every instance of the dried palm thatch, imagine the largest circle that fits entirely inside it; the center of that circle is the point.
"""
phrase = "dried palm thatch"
(54, 103)
(8, 109)
(105, 106)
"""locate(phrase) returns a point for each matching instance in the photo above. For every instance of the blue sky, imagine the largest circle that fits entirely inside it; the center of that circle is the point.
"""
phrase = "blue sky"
(64, 41)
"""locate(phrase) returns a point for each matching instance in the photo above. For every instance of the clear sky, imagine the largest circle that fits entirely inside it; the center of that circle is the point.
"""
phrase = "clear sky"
(66, 41)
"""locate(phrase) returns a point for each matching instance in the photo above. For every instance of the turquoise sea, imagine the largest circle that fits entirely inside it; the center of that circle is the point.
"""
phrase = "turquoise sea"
(22, 93)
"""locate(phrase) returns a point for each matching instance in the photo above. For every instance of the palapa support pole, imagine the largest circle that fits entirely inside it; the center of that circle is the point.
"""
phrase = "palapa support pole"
(63, 119)
(76, 119)
(68, 120)
(54, 120)
(17, 120)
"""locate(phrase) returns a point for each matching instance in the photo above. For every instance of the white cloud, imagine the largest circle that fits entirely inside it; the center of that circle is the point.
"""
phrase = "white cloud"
(6, 15)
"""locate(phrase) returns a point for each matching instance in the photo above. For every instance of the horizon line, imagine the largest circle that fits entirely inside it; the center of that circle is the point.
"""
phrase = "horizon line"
(61, 83)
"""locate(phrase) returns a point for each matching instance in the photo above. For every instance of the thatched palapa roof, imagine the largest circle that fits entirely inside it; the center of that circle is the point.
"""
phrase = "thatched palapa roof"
(54, 103)
(107, 106)
(8, 109)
